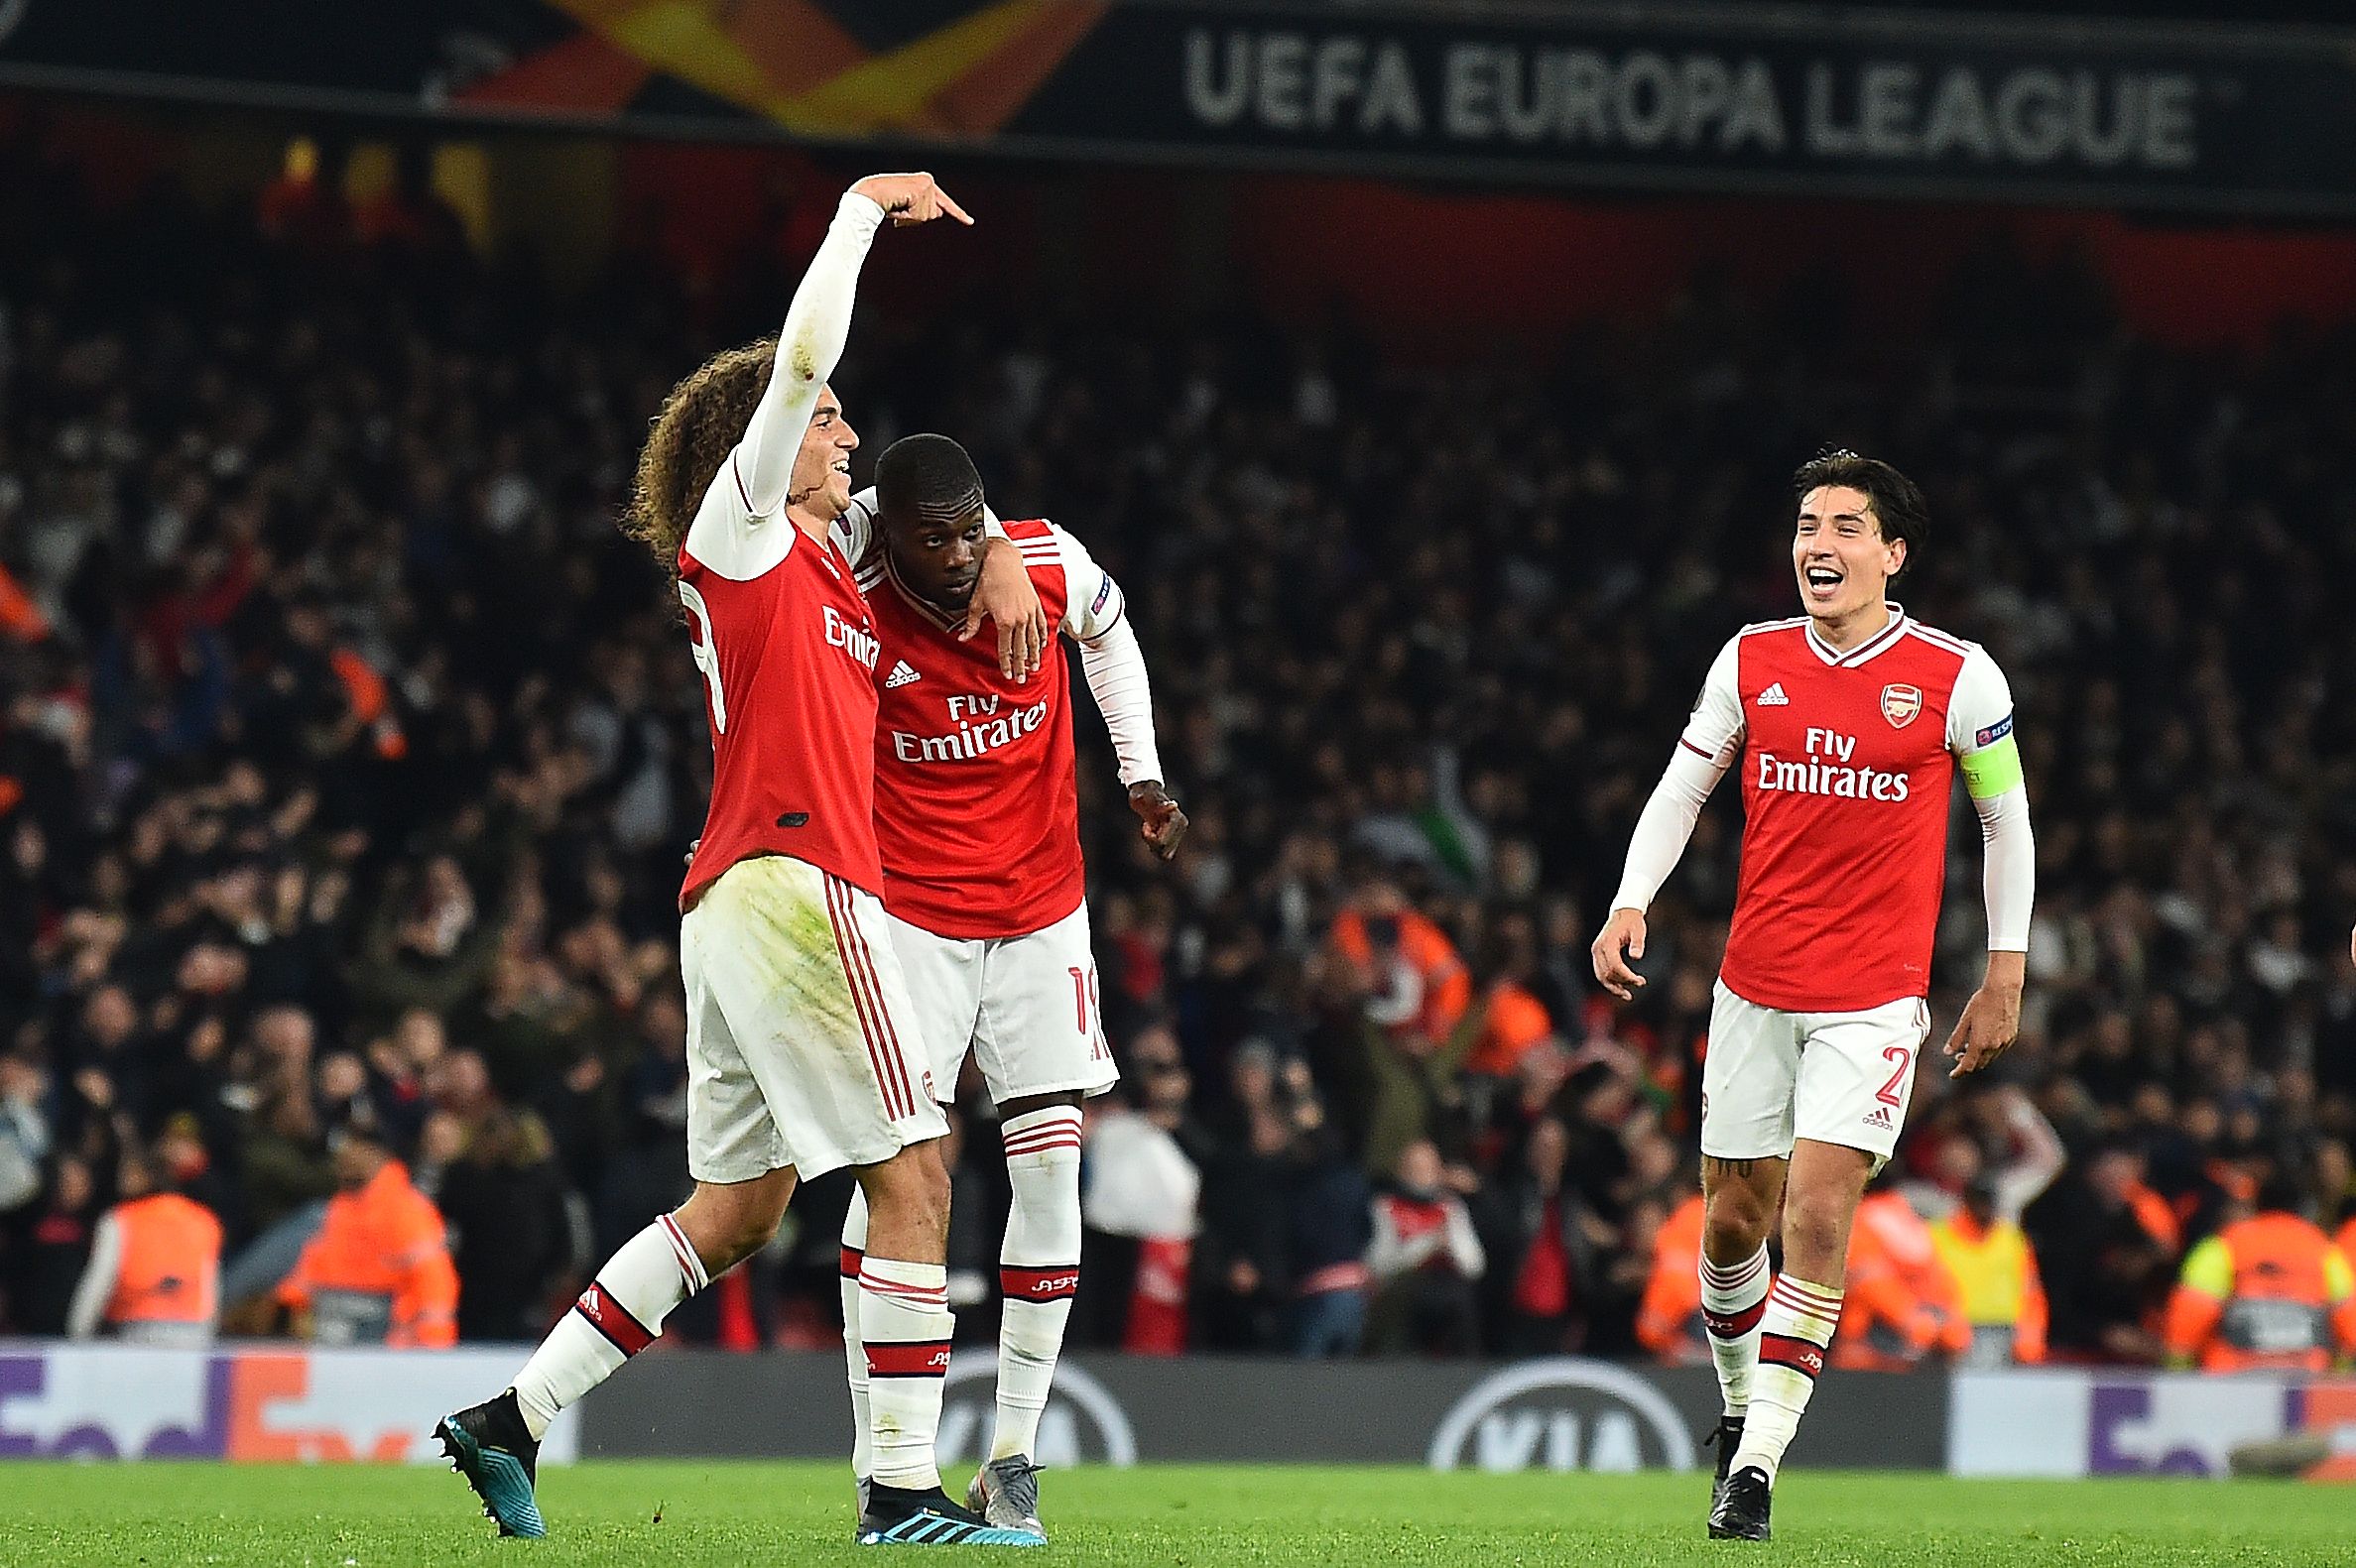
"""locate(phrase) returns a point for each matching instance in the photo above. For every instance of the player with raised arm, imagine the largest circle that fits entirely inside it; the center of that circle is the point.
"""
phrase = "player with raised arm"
(977, 816)
(801, 1038)
(1849, 724)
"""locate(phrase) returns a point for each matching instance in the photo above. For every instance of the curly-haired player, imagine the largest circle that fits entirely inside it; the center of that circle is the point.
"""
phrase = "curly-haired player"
(800, 1045)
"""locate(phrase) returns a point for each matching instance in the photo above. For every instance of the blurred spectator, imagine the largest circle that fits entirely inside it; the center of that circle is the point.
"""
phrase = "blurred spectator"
(1402, 965)
(46, 1262)
(1668, 1325)
(1995, 1270)
(1510, 1019)
(1903, 1305)
(1327, 1228)
(1138, 1215)
(2268, 1290)
(2113, 1240)
(154, 1276)
(1425, 1261)
(24, 1132)
(379, 1271)
(492, 1172)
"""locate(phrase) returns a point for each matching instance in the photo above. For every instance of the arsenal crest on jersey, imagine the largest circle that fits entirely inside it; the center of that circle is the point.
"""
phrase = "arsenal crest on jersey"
(1900, 704)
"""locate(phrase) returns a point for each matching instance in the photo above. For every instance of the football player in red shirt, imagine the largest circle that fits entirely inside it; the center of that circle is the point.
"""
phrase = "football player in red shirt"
(977, 818)
(1849, 724)
(800, 1036)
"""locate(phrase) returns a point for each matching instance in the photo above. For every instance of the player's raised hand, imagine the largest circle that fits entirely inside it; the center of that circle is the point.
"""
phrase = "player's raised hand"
(1990, 1023)
(1160, 821)
(1621, 939)
(911, 198)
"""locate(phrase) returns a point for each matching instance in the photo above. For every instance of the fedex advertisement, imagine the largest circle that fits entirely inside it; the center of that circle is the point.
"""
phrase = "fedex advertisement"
(246, 1402)
(2071, 1422)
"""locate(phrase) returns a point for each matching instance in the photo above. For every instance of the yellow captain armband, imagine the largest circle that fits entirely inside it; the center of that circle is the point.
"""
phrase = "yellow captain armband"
(1993, 769)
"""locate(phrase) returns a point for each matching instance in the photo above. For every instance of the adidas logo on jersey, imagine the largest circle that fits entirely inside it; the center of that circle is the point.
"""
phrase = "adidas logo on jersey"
(1879, 1116)
(901, 676)
(1773, 697)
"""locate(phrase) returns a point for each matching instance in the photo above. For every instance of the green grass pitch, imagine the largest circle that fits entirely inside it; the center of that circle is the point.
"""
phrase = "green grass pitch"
(744, 1514)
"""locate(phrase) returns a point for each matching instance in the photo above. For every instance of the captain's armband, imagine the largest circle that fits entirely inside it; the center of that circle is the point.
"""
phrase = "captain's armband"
(1995, 767)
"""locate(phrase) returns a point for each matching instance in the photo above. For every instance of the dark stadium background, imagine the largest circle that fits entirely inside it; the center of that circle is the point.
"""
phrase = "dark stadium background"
(347, 755)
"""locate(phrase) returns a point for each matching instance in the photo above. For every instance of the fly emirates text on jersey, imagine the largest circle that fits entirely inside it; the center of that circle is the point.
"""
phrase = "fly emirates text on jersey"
(1825, 771)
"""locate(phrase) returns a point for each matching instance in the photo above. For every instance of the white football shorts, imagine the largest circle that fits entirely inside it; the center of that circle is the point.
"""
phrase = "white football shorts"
(801, 1043)
(1026, 1006)
(1841, 1078)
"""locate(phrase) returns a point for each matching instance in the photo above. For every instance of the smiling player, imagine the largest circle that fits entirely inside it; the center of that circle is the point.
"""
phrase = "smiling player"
(977, 818)
(1849, 724)
(799, 1046)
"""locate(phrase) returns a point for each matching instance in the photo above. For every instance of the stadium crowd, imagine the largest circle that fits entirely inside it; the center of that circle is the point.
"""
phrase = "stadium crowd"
(347, 757)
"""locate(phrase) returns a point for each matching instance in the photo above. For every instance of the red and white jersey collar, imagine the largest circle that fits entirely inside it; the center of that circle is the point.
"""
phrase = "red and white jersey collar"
(1881, 641)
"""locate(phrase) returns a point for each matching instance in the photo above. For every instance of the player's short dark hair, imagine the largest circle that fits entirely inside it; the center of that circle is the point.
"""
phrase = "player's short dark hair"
(927, 476)
(1896, 503)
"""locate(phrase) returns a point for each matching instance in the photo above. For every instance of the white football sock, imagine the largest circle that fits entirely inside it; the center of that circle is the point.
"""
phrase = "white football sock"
(1733, 1303)
(616, 1317)
(1793, 1337)
(1039, 1269)
(854, 1351)
(904, 1320)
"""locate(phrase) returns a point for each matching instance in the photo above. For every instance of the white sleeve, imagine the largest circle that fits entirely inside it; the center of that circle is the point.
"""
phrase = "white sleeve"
(2008, 875)
(1093, 601)
(855, 531)
(97, 1286)
(1980, 734)
(2039, 1161)
(1465, 1243)
(1980, 709)
(736, 532)
(1111, 658)
(1391, 1255)
(1712, 739)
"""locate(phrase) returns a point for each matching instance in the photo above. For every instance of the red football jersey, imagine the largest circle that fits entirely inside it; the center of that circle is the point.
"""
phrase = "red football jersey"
(976, 808)
(787, 651)
(1849, 763)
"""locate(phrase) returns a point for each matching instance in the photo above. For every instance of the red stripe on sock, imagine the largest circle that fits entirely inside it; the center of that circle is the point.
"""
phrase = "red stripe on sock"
(1041, 1146)
(912, 1358)
(852, 1260)
(1807, 1295)
(1730, 1275)
(610, 1318)
(908, 1296)
(690, 1268)
(1039, 1285)
(1782, 1350)
(1068, 1122)
(1734, 1325)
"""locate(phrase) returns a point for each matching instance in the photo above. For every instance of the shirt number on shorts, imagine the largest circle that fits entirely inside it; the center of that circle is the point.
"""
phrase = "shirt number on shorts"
(1084, 999)
(1904, 1056)
(707, 658)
